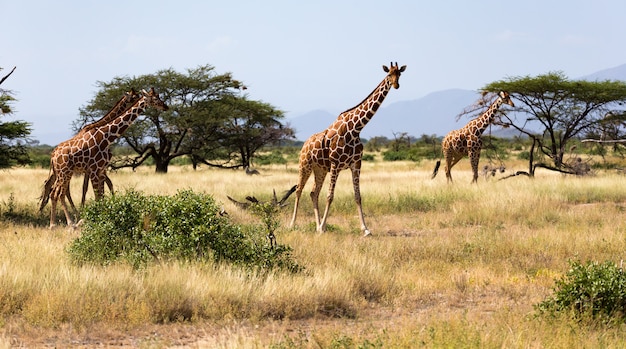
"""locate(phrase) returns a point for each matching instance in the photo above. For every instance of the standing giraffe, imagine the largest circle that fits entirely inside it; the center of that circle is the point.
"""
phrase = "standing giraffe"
(90, 153)
(127, 100)
(339, 147)
(467, 140)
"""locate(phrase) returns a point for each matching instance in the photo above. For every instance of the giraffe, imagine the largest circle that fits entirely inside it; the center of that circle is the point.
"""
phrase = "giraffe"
(339, 147)
(127, 100)
(90, 153)
(467, 140)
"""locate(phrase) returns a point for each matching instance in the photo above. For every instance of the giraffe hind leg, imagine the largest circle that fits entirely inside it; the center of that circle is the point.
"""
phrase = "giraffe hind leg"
(320, 176)
(334, 173)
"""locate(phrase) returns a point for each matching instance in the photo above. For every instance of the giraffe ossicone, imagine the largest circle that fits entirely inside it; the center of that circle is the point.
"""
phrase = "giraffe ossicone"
(338, 148)
(467, 141)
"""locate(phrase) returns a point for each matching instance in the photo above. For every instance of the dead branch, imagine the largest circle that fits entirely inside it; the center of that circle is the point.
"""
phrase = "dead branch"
(253, 200)
(611, 141)
(6, 76)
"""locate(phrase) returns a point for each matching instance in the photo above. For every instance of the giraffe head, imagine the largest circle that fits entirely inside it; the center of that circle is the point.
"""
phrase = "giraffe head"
(394, 73)
(130, 98)
(506, 98)
(152, 99)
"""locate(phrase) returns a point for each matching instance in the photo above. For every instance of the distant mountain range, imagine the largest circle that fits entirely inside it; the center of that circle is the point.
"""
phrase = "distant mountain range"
(433, 114)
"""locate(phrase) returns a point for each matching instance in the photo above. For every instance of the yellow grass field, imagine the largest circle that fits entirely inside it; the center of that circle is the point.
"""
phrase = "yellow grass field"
(448, 265)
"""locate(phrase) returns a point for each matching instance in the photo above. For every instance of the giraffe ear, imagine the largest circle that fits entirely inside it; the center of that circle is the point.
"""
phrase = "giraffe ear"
(385, 69)
(402, 68)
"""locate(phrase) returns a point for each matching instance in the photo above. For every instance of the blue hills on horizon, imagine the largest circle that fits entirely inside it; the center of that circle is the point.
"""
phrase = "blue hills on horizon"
(434, 114)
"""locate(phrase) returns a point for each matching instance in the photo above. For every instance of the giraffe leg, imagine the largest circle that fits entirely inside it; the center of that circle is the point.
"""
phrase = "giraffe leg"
(55, 193)
(109, 183)
(319, 176)
(356, 172)
(53, 212)
(97, 182)
(474, 158)
(451, 160)
(58, 193)
(85, 189)
(304, 176)
(66, 210)
(334, 173)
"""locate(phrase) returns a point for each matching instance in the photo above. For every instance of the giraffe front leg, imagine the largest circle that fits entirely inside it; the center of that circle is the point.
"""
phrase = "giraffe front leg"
(97, 182)
(304, 176)
(334, 173)
(356, 172)
(474, 158)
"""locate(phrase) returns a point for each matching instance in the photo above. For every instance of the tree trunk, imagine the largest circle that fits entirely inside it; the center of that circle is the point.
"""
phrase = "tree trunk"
(161, 165)
(531, 167)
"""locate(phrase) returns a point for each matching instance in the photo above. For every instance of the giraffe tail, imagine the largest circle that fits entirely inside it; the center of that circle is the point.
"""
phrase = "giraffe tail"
(47, 189)
(436, 169)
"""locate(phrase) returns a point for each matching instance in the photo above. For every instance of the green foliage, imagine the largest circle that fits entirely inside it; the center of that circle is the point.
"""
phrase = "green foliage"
(368, 157)
(275, 157)
(138, 229)
(210, 118)
(592, 289)
(553, 110)
(13, 134)
(409, 154)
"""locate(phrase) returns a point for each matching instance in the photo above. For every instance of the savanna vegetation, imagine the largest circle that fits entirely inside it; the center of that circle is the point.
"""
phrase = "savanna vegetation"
(170, 261)
(490, 265)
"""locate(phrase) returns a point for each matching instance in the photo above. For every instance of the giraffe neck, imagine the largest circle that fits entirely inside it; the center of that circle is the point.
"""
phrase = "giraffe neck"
(111, 132)
(360, 115)
(481, 123)
(116, 111)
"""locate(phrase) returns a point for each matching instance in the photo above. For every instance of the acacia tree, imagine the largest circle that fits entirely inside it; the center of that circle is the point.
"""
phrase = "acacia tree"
(13, 134)
(552, 110)
(250, 126)
(193, 125)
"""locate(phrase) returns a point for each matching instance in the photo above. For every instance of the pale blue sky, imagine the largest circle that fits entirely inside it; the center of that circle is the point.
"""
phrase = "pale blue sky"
(295, 55)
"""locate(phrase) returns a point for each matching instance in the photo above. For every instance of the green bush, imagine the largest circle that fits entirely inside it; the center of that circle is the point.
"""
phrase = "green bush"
(591, 289)
(138, 229)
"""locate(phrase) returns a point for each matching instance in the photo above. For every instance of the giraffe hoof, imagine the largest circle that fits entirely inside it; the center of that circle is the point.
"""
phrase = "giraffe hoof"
(367, 233)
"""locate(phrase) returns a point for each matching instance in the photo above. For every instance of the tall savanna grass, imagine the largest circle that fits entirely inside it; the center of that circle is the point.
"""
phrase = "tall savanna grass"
(448, 265)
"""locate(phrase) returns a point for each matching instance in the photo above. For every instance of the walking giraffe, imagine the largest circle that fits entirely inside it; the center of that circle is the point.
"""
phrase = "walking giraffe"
(339, 147)
(468, 141)
(90, 154)
(127, 100)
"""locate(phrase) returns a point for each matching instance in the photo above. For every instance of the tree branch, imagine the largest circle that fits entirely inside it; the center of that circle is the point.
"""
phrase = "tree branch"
(6, 76)
(612, 141)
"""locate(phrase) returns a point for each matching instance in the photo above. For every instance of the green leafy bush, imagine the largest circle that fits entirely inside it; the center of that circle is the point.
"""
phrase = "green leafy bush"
(594, 289)
(138, 229)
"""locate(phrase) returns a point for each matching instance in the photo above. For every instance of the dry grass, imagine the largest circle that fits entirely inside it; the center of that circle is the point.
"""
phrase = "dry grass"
(448, 266)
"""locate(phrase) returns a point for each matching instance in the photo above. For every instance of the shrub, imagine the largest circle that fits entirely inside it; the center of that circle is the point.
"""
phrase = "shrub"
(412, 154)
(594, 289)
(137, 229)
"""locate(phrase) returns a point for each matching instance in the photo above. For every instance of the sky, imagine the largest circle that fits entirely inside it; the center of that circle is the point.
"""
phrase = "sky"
(298, 56)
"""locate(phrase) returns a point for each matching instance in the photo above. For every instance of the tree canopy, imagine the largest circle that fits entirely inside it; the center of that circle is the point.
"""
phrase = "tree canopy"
(552, 110)
(13, 134)
(210, 119)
